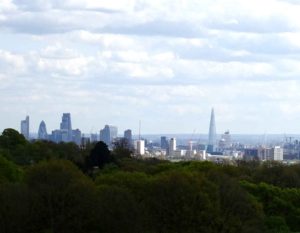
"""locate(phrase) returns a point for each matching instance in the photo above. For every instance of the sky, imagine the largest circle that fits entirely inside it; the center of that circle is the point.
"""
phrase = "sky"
(164, 62)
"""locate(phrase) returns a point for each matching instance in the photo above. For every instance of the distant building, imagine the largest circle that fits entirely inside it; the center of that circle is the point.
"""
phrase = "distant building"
(212, 135)
(25, 127)
(264, 154)
(278, 153)
(252, 154)
(94, 137)
(108, 134)
(271, 154)
(225, 142)
(85, 141)
(172, 147)
(56, 136)
(66, 128)
(140, 147)
(128, 136)
(76, 136)
(164, 143)
(42, 133)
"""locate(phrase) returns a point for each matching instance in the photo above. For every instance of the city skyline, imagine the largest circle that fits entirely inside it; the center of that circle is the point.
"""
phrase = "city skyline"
(164, 62)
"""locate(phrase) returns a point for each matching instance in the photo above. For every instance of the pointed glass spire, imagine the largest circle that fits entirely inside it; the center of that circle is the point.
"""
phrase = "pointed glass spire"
(212, 135)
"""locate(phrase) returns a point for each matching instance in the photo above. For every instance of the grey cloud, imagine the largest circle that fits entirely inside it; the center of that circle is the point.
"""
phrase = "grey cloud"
(157, 28)
(275, 24)
(37, 24)
(43, 5)
(270, 44)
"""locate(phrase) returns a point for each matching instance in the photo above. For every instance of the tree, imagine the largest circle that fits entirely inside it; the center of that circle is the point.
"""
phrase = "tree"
(9, 172)
(99, 156)
(122, 149)
(63, 198)
(10, 138)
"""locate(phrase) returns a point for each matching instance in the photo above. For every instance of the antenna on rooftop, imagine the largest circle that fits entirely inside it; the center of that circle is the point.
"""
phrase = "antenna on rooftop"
(139, 129)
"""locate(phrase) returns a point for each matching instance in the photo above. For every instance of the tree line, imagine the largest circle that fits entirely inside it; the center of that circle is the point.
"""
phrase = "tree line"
(56, 188)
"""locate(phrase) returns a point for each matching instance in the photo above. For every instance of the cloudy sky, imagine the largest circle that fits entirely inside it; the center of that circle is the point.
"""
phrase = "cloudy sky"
(166, 62)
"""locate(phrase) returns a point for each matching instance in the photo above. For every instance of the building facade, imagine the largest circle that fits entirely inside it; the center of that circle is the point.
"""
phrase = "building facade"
(42, 133)
(108, 134)
(25, 127)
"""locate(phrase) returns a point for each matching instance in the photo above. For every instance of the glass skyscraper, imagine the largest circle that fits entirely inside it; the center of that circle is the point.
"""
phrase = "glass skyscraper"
(212, 135)
(25, 127)
(42, 133)
(66, 127)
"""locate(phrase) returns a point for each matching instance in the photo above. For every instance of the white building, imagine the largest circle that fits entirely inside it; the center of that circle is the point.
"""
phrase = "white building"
(172, 146)
(277, 153)
(140, 147)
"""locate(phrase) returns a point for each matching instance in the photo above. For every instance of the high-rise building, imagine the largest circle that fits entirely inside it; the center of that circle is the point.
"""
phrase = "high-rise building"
(128, 136)
(225, 142)
(25, 127)
(56, 136)
(76, 136)
(42, 133)
(277, 153)
(108, 134)
(66, 127)
(164, 143)
(172, 146)
(94, 137)
(212, 135)
(140, 147)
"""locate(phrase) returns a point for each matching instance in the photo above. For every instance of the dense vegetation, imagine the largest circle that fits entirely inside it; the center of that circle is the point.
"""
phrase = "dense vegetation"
(47, 187)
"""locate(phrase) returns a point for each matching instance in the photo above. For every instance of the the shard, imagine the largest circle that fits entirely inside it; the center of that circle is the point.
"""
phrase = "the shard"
(212, 135)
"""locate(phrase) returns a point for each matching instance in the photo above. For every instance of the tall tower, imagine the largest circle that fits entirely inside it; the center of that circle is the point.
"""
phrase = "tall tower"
(172, 146)
(42, 133)
(66, 127)
(108, 134)
(212, 135)
(128, 136)
(25, 127)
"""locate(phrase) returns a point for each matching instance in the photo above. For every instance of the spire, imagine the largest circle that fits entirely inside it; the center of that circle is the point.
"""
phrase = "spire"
(212, 136)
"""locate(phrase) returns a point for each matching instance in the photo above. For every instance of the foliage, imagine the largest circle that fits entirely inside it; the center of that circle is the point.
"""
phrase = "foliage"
(46, 187)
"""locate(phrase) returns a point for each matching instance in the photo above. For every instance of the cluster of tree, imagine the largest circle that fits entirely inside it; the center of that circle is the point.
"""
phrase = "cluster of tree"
(63, 188)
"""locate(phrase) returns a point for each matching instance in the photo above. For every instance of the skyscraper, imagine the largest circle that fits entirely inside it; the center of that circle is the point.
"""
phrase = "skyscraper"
(25, 127)
(164, 143)
(140, 147)
(128, 136)
(42, 133)
(66, 127)
(212, 135)
(172, 146)
(76, 136)
(108, 134)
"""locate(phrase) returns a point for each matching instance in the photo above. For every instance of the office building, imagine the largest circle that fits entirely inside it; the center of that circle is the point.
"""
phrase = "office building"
(164, 143)
(25, 127)
(66, 128)
(212, 135)
(108, 134)
(225, 142)
(128, 136)
(42, 133)
(277, 153)
(76, 136)
(56, 136)
(140, 147)
(94, 137)
(172, 147)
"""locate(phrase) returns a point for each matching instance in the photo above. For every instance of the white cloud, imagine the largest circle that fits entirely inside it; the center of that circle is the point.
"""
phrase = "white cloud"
(121, 61)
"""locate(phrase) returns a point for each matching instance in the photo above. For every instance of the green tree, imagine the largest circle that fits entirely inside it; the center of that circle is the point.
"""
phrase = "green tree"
(63, 198)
